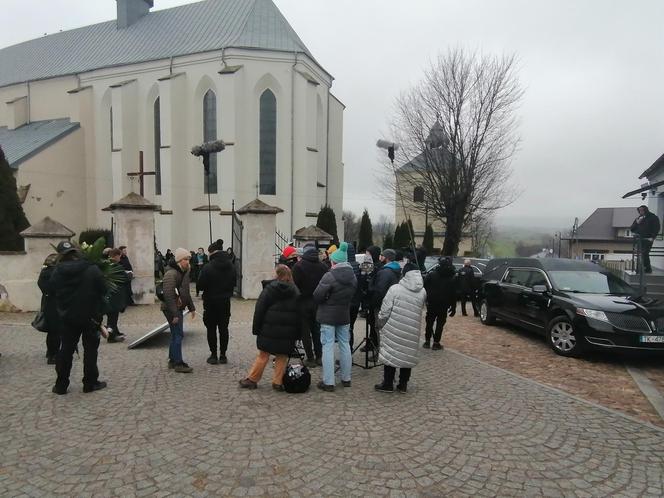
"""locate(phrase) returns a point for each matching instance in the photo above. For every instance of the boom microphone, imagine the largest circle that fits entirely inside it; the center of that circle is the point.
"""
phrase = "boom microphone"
(384, 144)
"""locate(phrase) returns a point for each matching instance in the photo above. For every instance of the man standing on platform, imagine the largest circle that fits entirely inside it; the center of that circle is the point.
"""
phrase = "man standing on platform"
(217, 281)
(646, 226)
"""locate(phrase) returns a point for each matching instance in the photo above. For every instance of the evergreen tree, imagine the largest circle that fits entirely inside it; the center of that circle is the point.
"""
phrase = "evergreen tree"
(366, 232)
(12, 217)
(327, 221)
(388, 242)
(401, 236)
(427, 242)
(410, 234)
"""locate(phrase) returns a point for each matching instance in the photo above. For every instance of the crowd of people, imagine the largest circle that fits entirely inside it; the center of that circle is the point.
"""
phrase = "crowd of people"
(315, 297)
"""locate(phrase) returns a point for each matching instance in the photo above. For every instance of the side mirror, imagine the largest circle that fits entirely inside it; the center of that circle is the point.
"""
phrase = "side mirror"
(540, 289)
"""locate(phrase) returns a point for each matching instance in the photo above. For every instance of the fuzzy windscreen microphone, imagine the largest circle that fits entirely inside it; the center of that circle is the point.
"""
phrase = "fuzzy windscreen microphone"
(384, 144)
(208, 148)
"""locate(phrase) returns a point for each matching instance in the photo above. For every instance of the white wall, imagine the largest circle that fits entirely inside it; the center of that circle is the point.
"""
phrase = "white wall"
(181, 106)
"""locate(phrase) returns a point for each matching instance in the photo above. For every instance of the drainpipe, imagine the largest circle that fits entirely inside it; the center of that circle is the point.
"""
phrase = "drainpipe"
(170, 67)
(292, 196)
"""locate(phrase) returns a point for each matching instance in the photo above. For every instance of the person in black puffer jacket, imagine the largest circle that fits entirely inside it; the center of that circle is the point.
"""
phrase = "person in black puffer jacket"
(49, 308)
(276, 325)
(217, 280)
(79, 289)
(384, 277)
(440, 286)
(307, 273)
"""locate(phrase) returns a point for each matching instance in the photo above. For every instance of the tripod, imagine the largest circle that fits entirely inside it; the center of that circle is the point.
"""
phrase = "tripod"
(370, 348)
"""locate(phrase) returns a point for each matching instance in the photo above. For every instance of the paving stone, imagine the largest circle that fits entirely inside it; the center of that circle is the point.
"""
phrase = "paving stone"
(464, 429)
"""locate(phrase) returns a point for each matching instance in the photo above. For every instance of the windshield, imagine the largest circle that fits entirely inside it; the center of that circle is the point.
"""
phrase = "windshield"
(590, 282)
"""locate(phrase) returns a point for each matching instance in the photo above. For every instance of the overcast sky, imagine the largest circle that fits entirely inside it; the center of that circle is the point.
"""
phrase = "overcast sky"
(592, 118)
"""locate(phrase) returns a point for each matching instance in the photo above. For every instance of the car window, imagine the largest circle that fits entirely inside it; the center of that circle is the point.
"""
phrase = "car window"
(537, 278)
(590, 282)
(517, 277)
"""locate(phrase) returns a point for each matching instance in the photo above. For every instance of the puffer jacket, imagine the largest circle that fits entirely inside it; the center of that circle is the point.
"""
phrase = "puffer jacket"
(440, 286)
(277, 318)
(308, 272)
(217, 280)
(79, 289)
(400, 321)
(384, 278)
(334, 294)
(174, 302)
(48, 306)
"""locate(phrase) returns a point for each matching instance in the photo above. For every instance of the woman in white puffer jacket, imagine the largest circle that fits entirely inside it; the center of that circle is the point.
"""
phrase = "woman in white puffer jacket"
(400, 322)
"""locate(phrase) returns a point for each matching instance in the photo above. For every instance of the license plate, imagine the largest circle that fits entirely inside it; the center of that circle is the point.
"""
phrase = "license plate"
(652, 338)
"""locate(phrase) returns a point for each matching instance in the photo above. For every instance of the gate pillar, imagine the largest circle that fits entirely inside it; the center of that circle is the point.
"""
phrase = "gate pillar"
(259, 222)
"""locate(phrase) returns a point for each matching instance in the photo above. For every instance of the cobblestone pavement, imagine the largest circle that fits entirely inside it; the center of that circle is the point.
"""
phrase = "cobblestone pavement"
(464, 429)
(598, 377)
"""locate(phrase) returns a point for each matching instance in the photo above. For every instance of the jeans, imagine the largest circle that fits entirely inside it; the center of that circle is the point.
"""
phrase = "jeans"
(438, 316)
(257, 369)
(328, 334)
(177, 334)
(71, 333)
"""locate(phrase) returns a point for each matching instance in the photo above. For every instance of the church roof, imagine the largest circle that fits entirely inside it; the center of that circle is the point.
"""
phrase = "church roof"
(189, 29)
(24, 142)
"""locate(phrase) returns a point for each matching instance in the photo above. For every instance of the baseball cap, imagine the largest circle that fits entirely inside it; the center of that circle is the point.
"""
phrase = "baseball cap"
(65, 247)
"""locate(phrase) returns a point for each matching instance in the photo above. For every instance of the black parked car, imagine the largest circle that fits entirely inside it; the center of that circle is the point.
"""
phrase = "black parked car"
(576, 305)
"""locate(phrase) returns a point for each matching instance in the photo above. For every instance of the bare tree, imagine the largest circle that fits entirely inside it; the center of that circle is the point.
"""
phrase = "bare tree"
(381, 228)
(457, 131)
(351, 226)
(481, 231)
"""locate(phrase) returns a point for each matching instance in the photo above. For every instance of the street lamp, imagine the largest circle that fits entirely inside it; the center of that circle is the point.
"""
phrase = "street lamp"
(204, 150)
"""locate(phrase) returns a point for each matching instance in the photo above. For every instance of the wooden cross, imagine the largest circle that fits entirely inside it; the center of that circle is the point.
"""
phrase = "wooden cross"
(141, 173)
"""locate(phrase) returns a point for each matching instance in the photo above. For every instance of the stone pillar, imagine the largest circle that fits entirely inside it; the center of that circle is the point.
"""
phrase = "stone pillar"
(259, 222)
(134, 228)
(19, 271)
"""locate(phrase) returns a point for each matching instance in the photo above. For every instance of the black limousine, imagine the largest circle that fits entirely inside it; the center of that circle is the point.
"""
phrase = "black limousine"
(577, 305)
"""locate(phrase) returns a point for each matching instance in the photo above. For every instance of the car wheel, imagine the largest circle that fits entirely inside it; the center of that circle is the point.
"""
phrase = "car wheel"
(562, 337)
(486, 316)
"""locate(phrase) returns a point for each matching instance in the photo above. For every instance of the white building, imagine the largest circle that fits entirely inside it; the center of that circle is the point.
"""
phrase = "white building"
(77, 108)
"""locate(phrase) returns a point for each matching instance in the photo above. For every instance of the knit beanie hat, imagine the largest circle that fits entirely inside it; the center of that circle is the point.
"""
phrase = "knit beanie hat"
(331, 249)
(389, 254)
(340, 255)
(181, 254)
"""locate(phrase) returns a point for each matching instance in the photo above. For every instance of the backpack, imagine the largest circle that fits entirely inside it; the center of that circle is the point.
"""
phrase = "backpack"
(159, 290)
(297, 379)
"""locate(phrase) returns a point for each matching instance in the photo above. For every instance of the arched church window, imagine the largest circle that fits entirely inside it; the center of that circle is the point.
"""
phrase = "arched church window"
(418, 194)
(210, 134)
(268, 143)
(157, 148)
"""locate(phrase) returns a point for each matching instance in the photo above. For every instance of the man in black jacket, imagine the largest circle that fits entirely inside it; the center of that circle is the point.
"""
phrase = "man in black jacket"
(50, 309)
(439, 284)
(217, 280)
(467, 283)
(646, 226)
(124, 262)
(307, 273)
(79, 290)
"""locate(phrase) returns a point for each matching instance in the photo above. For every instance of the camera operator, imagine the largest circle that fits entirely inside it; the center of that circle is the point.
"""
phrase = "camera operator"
(646, 226)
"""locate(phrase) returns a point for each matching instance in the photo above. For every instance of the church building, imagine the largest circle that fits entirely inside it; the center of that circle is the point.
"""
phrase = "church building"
(91, 114)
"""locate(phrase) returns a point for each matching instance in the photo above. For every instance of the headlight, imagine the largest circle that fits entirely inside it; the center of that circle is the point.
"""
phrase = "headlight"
(597, 315)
